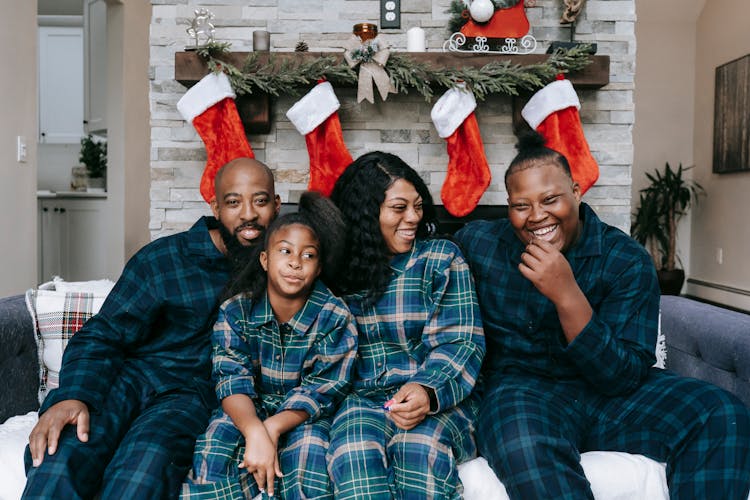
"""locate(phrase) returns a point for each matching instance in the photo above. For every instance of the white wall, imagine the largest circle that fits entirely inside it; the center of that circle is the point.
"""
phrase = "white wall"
(664, 90)
(18, 102)
(722, 221)
(128, 123)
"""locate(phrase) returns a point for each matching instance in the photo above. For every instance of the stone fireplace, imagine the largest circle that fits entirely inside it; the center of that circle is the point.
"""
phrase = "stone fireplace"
(400, 125)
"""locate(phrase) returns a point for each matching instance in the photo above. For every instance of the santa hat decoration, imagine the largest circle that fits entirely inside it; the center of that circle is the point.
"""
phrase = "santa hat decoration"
(315, 116)
(468, 171)
(553, 112)
(209, 106)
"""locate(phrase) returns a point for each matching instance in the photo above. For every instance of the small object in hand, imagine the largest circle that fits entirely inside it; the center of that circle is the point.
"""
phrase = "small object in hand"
(387, 405)
(301, 46)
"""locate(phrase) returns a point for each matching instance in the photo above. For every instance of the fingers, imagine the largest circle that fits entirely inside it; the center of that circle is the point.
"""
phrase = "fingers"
(37, 445)
(82, 427)
(270, 474)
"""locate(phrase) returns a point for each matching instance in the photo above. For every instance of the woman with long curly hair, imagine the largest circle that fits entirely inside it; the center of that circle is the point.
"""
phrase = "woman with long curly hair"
(408, 421)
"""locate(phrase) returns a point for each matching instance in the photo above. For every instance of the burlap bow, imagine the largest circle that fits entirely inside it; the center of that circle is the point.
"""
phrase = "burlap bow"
(371, 56)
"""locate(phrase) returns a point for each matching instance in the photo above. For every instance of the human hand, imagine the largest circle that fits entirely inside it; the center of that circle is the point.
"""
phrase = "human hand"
(409, 406)
(260, 458)
(46, 432)
(547, 269)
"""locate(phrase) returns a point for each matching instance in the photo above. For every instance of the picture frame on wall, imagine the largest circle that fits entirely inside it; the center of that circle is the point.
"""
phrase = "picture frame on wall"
(732, 117)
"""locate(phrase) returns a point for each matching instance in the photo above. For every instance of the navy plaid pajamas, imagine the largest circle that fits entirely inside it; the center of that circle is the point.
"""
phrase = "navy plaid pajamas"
(545, 401)
(304, 364)
(425, 329)
(142, 365)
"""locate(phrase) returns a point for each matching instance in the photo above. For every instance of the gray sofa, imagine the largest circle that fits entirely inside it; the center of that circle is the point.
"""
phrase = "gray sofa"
(703, 341)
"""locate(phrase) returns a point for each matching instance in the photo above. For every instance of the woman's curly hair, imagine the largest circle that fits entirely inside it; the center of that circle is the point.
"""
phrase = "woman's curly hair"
(325, 221)
(358, 193)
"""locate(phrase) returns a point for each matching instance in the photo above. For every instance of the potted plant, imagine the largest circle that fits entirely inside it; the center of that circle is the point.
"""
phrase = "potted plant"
(93, 155)
(661, 205)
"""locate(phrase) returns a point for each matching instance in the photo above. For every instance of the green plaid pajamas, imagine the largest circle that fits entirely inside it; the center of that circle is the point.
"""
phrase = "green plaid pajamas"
(425, 329)
(547, 400)
(304, 364)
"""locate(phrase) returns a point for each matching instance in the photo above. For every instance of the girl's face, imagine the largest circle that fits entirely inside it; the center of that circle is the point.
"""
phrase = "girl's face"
(400, 215)
(292, 261)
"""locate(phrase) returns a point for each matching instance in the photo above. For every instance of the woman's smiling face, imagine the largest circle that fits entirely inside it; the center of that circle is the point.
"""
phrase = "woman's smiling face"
(400, 214)
(543, 203)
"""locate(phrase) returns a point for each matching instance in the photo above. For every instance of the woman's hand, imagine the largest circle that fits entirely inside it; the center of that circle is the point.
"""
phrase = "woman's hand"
(409, 406)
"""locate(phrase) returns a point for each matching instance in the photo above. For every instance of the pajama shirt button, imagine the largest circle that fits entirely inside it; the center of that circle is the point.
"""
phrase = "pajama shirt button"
(278, 357)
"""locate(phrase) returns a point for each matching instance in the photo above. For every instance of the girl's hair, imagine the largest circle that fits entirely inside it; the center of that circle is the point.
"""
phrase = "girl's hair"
(315, 212)
(359, 193)
(532, 153)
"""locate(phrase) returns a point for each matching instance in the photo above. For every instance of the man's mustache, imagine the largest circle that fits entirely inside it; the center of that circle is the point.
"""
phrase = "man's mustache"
(249, 225)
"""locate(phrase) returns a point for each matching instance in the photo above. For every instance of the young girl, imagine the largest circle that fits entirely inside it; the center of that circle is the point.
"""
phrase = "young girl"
(283, 351)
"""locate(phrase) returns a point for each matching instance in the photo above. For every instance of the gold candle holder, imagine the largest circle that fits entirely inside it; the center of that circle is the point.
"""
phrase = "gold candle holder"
(365, 31)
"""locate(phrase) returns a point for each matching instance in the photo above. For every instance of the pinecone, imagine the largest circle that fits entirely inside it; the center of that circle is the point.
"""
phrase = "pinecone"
(301, 47)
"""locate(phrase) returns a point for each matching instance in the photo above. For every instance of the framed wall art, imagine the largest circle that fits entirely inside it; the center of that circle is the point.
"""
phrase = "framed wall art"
(732, 117)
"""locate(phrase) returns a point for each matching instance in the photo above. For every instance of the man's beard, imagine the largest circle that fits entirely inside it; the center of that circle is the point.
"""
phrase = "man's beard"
(238, 254)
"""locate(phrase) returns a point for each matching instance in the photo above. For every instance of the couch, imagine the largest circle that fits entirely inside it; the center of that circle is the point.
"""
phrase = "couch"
(703, 341)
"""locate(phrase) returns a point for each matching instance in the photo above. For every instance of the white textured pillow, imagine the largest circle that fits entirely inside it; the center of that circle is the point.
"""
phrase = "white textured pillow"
(59, 310)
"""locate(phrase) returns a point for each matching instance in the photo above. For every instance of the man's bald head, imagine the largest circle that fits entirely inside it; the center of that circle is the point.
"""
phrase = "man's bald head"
(242, 163)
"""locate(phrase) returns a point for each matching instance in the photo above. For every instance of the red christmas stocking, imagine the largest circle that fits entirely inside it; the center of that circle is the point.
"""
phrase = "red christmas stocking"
(209, 106)
(553, 112)
(315, 116)
(468, 172)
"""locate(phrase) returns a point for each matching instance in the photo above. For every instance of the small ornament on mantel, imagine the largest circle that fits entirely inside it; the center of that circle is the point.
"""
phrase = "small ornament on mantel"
(301, 46)
(368, 51)
(200, 27)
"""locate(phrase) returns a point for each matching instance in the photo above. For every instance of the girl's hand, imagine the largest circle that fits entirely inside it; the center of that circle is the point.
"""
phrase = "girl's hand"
(261, 458)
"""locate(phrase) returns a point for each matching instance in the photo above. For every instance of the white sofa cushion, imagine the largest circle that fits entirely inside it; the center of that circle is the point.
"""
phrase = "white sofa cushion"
(613, 475)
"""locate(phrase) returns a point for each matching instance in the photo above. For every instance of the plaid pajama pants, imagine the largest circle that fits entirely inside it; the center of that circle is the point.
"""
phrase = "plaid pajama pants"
(372, 459)
(140, 446)
(302, 457)
(533, 429)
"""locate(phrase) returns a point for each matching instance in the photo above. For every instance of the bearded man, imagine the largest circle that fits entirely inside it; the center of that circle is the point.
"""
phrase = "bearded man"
(135, 384)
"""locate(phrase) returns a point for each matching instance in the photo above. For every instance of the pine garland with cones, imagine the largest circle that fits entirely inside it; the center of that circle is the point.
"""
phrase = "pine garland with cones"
(288, 77)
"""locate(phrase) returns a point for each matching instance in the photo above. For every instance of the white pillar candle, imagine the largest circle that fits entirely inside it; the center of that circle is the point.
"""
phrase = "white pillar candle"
(261, 41)
(415, 40)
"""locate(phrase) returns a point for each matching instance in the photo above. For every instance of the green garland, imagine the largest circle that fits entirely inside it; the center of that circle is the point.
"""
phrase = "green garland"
(289, 77)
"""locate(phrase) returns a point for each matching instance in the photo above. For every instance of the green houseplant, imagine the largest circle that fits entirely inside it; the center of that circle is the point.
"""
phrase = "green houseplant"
(662, 203)
(93, 155)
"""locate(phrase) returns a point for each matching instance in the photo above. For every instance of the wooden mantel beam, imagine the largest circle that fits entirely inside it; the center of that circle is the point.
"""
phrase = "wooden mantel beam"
(189, 67)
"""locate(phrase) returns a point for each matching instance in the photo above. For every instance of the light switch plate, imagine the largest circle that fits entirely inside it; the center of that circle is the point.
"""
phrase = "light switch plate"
(21, 149)
(390, 14)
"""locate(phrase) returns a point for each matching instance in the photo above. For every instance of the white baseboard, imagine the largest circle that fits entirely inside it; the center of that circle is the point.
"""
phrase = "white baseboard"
(719, 294)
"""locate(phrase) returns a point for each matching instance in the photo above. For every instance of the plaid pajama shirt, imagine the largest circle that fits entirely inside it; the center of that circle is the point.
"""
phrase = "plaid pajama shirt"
(545, 400)
(142, 365)
(425, 329)
(304, 364)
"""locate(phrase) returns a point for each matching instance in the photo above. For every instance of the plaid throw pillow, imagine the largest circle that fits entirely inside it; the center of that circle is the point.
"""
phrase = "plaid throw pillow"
(57, 316)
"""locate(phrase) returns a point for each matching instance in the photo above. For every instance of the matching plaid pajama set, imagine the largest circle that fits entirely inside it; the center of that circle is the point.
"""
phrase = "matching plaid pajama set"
(546, 401)
(143, 367)
(304, 364)
(425, 329)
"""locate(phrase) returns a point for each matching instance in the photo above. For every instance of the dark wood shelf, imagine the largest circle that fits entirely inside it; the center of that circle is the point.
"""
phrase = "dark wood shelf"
(255, 109)
(189, 67)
